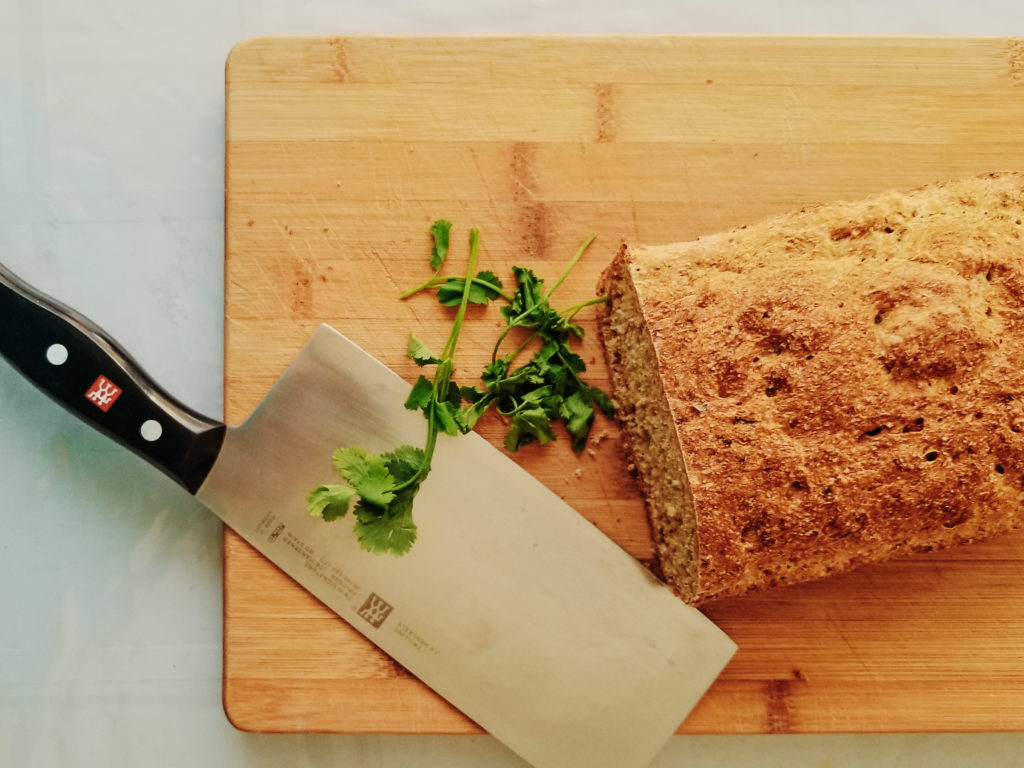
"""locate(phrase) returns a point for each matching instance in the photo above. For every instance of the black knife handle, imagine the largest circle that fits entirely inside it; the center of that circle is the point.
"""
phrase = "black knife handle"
(77, 364)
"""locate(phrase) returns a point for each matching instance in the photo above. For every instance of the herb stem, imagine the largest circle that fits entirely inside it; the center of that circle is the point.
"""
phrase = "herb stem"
(453, 337)
(515, 323)
(572, 263)
(526, 341)
(428, 454)
(497, 344)
(439, 279)
(570, 312)
(443, 374)
(422, 287)
(477, 281)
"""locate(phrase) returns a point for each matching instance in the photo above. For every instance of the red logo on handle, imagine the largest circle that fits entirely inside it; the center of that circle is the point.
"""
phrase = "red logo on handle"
(103, 393)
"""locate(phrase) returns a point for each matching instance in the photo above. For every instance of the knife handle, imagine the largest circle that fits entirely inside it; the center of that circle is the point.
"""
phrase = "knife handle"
(77, 364)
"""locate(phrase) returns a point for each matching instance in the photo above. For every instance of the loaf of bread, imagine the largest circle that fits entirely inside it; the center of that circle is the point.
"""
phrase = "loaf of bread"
(827, 388)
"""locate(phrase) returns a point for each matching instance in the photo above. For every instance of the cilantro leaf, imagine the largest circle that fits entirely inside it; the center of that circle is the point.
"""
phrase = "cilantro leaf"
(573, 361)
(450, 292)
(387, 530)
(452, 394)
(558, 377)
(367, 473)
(440, 231)
(495, 371)
(330, 501)
(418, 351)
(528, 303)
(483, 288)
(578, 415)
(420, 394)
(468, 415)
(490, 283)
(404, 461)
(444, 418)
(520, 380)
(602, 401)
(528, 425)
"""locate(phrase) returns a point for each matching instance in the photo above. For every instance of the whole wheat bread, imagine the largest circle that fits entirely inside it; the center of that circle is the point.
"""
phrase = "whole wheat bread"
(827, 388)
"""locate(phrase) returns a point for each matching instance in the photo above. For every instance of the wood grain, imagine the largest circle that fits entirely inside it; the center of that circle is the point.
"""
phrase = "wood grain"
(342, 151)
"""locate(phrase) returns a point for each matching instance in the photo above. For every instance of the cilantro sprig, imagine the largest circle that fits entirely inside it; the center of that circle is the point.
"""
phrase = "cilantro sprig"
(532, 397)
(548, 388)
(386, 484)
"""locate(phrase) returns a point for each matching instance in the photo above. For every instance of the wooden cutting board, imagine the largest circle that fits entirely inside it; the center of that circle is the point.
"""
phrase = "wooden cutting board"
(342, 151)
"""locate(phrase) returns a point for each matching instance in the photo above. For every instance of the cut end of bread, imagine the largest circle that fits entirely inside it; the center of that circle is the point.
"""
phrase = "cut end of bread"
(644, 415)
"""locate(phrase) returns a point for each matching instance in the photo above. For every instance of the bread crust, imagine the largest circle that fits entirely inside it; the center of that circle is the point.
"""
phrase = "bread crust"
(843, 383)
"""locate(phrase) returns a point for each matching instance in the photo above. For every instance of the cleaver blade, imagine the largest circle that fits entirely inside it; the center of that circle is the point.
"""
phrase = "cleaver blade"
(510, 605)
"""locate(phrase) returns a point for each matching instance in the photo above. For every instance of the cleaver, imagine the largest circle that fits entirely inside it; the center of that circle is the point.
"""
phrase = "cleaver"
(512, 606)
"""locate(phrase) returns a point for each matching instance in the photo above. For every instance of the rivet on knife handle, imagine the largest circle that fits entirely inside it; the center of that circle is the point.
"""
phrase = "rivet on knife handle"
(77, 364)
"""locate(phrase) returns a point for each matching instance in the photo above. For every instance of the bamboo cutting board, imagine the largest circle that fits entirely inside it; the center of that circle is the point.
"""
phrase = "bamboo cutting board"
(342, 151)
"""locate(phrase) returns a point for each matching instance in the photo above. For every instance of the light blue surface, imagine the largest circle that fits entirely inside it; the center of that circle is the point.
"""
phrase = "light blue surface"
(111, 185)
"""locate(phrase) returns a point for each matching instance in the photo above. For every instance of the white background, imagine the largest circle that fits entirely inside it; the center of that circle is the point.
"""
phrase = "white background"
(111, 198)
